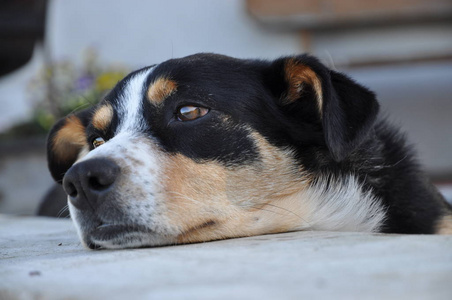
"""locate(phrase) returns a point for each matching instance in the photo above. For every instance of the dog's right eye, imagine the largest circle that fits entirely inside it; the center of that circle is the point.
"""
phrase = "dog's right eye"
(98, 142)
(190, 113)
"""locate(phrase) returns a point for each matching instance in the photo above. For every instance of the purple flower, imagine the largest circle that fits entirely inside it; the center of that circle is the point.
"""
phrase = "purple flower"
(84, 83)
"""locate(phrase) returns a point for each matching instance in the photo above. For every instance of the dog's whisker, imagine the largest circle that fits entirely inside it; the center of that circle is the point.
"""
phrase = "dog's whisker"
(62, 211)
(271, 211)
(185, 197)
(82, 106)
(289, 211)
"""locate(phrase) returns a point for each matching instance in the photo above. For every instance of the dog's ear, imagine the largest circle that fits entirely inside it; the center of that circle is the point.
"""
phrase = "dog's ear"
(347, 110)
(65, 141)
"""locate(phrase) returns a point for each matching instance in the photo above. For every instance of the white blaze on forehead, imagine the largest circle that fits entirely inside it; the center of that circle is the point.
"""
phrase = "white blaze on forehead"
(130, 103)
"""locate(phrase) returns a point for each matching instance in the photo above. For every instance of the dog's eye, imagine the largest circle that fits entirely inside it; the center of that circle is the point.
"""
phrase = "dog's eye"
(98, 142)
(190, 113)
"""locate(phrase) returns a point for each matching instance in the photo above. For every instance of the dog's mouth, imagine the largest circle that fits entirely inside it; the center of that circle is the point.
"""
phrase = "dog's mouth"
(108, 235)
(117, 232)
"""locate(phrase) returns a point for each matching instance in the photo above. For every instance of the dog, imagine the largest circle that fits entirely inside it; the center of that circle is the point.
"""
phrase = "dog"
(210, 147)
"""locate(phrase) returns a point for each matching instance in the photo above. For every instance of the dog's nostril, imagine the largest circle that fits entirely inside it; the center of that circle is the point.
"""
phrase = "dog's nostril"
(71, 190)
(98, 184)
(100, 180)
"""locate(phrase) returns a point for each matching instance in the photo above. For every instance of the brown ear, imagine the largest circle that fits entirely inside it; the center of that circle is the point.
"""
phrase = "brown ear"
(346, 109)
(65, 141)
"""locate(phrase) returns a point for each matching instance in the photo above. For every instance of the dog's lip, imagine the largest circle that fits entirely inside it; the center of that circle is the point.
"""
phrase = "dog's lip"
(112, 228)
(111, 231)
(107, 225)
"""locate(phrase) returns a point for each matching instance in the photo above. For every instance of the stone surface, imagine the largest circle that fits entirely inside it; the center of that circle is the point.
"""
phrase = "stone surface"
(24, 180)
(42, 258)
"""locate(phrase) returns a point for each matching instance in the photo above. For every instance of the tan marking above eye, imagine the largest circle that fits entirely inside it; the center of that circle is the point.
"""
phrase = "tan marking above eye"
(161, 89)
(102, 117)
(190, 112)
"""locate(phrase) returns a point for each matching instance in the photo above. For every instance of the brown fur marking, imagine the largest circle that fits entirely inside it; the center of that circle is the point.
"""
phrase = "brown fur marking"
(69, 140)
(233, 202)
(102, 117)
(444, 226)
(161, 89)
(298, 75)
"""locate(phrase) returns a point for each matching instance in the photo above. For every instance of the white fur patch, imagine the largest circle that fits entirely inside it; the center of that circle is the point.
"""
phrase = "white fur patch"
(341, 205)
(131, 101)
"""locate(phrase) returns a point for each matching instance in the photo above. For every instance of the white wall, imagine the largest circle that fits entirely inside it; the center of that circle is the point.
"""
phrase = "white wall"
(138, 33)
(145, 32)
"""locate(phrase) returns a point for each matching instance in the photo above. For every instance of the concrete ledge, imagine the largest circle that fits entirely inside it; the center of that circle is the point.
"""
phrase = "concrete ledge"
(41, 258)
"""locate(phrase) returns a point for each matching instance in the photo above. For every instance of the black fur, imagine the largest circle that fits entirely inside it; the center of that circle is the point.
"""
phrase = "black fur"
(347, 137)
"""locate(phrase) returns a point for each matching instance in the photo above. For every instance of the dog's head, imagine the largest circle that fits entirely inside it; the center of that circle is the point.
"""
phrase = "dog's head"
(205, 147)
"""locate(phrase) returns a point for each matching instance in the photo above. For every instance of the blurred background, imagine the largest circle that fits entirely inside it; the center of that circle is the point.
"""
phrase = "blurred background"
(57, 56)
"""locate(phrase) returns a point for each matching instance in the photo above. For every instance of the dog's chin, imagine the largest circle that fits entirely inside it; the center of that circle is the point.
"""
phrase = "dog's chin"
(96, 234)
(122, 236)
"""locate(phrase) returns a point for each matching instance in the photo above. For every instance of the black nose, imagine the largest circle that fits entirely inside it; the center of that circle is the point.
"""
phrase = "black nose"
(89, 182)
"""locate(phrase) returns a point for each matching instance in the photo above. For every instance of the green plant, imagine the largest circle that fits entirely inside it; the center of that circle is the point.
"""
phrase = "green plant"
(61, 88)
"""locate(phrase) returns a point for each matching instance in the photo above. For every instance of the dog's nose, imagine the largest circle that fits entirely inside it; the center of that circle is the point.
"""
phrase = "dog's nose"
(89, 182)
